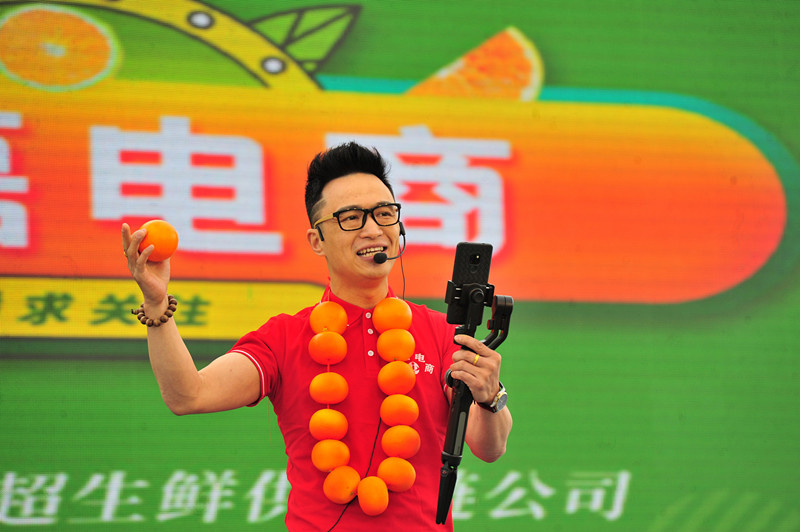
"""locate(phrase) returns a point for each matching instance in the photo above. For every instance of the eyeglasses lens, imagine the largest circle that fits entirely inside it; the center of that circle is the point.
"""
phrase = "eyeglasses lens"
(355, 219)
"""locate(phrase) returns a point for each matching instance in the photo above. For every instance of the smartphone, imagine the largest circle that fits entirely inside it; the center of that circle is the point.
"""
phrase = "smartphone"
(471, 266)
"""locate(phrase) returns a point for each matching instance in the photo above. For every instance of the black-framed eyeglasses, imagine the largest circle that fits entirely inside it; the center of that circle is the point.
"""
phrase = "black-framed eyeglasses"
(353, 218)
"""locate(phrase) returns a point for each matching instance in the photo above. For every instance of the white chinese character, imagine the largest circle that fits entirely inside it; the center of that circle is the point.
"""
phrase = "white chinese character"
(13, 214)
(31, 500)
(462, 201)
(185, 493)
(464, 495)
(429, 368)
(111, 486)
(184, 178)
(420, 357)
(270, 490)
(518, 494)
(589, 490)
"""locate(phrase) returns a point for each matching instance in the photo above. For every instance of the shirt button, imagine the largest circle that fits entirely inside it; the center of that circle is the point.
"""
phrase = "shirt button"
(370, 331)
(368, 314)
(371, 352)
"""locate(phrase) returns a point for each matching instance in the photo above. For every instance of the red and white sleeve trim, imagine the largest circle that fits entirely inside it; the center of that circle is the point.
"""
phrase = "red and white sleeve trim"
(261, 375)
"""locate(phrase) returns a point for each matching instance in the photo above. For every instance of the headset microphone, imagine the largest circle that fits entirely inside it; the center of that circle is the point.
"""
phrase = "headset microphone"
(380, 258)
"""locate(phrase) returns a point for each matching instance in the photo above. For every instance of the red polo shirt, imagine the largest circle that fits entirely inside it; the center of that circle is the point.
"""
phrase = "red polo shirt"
(279, 350)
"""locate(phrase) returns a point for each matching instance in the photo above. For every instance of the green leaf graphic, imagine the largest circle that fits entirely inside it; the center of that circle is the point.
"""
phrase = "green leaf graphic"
(309, 35)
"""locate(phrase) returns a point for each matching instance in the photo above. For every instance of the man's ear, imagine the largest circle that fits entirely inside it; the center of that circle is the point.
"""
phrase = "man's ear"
(315, 241)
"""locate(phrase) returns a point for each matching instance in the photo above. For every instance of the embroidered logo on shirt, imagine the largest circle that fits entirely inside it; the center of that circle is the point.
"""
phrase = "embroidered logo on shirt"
(419, 365)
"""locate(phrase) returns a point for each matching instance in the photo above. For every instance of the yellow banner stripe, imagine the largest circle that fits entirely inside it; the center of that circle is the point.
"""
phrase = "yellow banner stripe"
(100, 308)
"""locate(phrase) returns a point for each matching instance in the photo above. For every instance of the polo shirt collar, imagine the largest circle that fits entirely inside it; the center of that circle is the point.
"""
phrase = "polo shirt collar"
(354, 312)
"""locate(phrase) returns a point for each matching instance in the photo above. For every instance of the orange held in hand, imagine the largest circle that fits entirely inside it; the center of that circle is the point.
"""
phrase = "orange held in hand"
(398, 473)
(162, 236)
(341, 484)
(373, 497)
(391, 313)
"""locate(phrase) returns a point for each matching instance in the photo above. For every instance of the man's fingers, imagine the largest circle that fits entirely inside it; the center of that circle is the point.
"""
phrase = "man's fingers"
(126, 237)
(469, 341)
(146, 252)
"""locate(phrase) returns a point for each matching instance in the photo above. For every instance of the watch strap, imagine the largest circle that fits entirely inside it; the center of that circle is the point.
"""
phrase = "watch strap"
(494, 406)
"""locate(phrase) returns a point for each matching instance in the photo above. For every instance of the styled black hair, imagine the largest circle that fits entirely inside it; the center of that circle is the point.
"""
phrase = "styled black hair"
(342, 160)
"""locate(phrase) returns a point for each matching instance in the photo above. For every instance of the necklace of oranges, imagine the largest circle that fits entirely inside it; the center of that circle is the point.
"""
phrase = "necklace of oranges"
(392, 319)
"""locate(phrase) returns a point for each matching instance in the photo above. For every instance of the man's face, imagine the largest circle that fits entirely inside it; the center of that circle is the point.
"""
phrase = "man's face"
(350, 253)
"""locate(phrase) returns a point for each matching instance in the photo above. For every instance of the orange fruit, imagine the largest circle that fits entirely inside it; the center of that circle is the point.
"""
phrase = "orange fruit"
(328, 388)
(373, 496)
(327, 455)
(341, 484)
(391, 313)
(399, 410)
(401, 441)
(328, 316)
(396, 377)
(327, 347)
(54, 48)
(507, 66)
(398, 473)
(396, 344)
(163, 236)
(328, 424)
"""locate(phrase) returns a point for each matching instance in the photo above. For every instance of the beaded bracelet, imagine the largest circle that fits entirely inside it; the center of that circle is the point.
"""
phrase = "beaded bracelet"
(172, 304)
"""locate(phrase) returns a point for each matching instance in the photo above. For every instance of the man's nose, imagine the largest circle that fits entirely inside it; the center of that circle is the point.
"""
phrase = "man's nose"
(371, 227)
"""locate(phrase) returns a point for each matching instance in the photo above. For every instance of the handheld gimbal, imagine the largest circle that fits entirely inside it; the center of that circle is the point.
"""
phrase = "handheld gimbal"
(465, 306)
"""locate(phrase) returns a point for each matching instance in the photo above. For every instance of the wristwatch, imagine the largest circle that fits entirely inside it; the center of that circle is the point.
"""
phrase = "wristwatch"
(499, 401)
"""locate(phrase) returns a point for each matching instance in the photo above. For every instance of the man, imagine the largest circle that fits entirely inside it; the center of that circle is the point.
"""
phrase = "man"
(353, 216)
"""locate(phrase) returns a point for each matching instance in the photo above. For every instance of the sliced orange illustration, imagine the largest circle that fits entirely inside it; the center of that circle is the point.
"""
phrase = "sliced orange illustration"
(507, 66)
(247, 46)
(55, 49)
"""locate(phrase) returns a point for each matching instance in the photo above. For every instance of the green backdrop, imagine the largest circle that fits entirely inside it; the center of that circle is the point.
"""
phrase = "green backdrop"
(626, 417)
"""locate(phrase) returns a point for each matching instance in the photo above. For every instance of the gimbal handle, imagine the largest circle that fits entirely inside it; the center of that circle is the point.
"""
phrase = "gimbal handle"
(462, 396)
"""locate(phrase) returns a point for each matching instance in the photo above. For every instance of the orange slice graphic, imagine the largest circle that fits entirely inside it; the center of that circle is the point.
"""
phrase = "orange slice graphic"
(507, 66)
(54, 49)
(233, 38)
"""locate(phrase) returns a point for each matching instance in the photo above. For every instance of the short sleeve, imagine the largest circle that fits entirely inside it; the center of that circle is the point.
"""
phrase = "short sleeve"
(256, 348)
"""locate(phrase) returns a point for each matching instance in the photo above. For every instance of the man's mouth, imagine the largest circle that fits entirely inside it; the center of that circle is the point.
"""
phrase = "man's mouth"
(368, 252)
